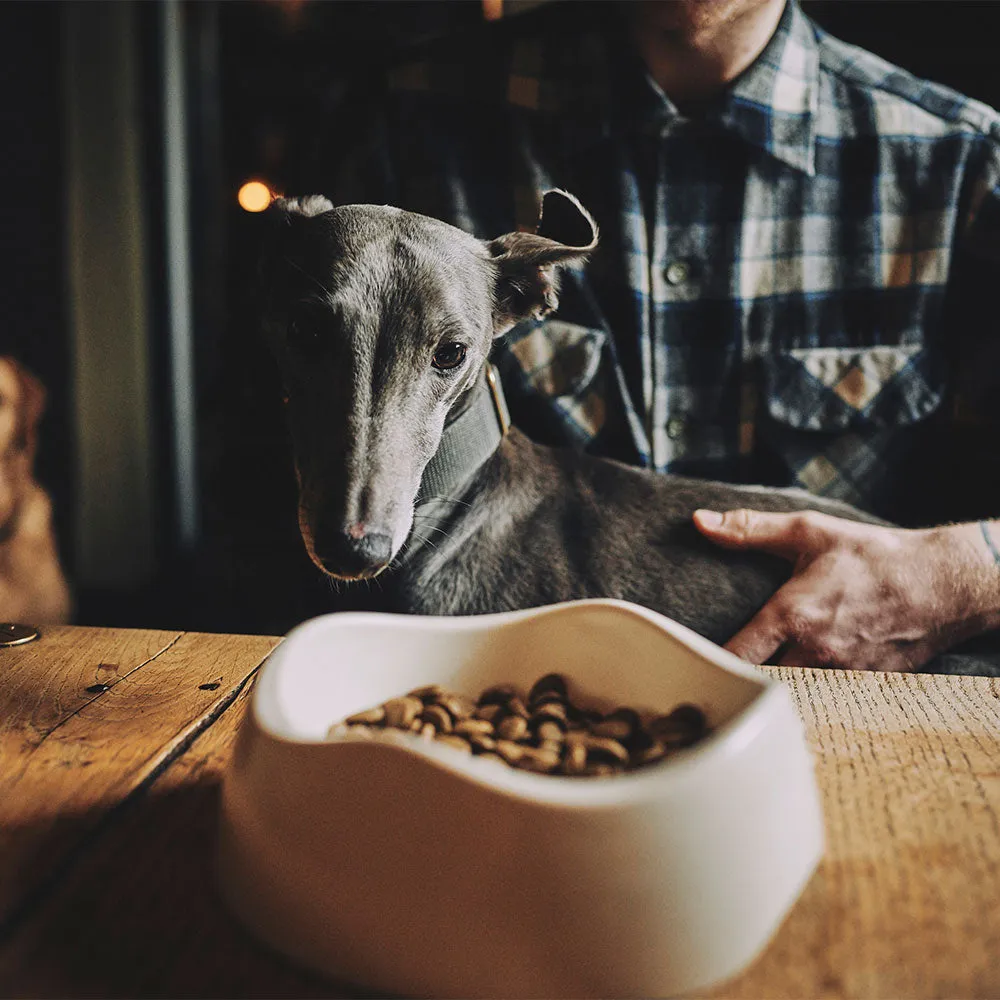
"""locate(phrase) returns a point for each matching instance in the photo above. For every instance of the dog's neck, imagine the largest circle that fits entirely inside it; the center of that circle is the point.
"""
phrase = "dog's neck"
(472, 433)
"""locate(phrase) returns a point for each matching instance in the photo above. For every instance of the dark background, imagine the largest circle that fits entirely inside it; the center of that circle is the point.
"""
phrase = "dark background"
(260, 74)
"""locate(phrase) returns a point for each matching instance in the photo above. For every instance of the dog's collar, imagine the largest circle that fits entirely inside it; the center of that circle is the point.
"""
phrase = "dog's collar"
(467, 441)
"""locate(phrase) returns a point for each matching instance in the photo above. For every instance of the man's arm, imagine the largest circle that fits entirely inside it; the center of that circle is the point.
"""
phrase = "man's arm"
(864, 597)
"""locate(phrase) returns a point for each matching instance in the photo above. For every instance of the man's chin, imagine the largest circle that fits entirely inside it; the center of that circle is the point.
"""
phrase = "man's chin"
(686, 19)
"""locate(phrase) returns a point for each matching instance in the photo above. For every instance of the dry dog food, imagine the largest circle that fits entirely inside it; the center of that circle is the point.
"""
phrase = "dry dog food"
(545, 732)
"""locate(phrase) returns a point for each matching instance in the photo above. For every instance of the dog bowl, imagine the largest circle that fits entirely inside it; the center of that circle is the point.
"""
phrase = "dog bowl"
(409, 868)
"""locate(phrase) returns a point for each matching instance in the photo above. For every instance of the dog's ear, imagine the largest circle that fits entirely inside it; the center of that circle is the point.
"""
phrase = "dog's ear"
(527, 278)
(283, 215)
(278, 225)
(308, 206)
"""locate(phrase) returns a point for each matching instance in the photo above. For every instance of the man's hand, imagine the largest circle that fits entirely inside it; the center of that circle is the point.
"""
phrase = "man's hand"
(861, 596)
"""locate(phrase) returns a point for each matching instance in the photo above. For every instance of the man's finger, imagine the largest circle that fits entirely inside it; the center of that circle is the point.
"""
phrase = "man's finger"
(761, 637)
(786, 535)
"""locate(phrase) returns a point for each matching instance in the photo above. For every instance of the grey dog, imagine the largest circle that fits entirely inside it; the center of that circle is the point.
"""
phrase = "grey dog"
(381, 321)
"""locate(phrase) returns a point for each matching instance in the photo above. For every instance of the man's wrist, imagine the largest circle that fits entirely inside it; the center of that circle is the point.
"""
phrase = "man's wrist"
(986, 528)
(968, 581)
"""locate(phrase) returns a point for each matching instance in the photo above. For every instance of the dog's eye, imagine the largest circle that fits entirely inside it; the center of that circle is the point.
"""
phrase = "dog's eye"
(448, 356)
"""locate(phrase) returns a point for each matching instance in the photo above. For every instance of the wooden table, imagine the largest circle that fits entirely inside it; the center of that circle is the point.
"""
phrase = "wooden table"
(112, 744)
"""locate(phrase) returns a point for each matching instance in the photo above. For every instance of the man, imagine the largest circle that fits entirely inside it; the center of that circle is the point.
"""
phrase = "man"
(799, 246)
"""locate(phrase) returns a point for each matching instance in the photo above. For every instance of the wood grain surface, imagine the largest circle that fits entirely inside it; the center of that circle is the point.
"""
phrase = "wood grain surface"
(907, 900)
(108, 802)
(140, 918)
(87, 716)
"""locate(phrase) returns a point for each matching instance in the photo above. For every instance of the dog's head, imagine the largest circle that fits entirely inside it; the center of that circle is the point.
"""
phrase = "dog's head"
(380, 321)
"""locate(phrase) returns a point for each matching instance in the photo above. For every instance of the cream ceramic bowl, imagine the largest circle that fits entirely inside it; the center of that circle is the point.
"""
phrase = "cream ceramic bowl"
(407, 867)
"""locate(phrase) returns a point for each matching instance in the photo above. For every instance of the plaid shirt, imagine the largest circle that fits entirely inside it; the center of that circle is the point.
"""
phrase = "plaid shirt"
(796, 284)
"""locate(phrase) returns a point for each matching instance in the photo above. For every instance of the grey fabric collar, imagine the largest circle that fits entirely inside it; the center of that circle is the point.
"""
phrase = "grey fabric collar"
(467, 442)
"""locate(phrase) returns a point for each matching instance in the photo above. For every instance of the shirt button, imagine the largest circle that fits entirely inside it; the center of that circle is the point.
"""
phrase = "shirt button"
(675, 427)
(677, 272)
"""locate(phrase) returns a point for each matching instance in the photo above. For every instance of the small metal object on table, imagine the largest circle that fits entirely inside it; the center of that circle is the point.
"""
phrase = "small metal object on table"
(113, 743)
(12, 634)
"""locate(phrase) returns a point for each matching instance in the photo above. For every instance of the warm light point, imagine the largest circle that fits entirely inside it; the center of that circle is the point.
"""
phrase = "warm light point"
(254, 196)
(492, 10)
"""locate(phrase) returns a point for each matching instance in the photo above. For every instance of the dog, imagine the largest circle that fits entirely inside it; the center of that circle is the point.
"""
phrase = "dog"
(33, 587)
(381, 322)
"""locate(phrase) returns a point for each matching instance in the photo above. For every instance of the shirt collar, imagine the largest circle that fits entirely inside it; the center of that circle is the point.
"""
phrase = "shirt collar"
(773, 103)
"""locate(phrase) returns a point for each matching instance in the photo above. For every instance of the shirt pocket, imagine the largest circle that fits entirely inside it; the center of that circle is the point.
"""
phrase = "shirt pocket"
(853, 423)
(843, 388)
(561, 363)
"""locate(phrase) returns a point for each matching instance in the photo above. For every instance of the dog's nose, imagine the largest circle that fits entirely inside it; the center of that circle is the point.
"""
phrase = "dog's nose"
(349, 553)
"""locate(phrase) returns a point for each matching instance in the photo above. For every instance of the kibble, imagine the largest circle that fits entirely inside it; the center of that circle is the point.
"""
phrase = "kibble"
(618, 725)
(538, 759)
(550, 730)
(499, 694)
(513, 727)
(606, 750)
(682, 727)
(400, 712)
(510, 751)
(372, 717)
(550, 685)
(458, 707)
(481, 743)
(550, 711)
(601, 770)
(455, 741)
(490, 712)
(438, 717)
(517, 707)
(470, 727)
(430, 693)
(575, 759)
(544, 732)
